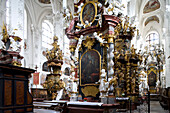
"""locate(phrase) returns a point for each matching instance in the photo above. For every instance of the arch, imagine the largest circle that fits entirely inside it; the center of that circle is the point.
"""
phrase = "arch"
(152, 18)
(29, 14)
(158, 12)
(44, 13)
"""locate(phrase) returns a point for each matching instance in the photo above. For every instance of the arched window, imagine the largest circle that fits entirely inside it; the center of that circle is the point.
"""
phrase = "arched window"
(152, 40)
(47, 34)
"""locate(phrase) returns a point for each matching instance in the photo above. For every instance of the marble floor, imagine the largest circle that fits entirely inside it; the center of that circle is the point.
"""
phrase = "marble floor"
(155, 107)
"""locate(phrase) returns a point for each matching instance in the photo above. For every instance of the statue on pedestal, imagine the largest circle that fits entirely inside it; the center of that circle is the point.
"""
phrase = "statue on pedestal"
(103, 87)
(73, 84)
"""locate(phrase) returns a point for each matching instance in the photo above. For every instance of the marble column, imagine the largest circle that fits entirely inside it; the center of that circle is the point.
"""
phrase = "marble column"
(167, 59)
(167, 47)
(31, 46)
(36, 49)
(110, 56)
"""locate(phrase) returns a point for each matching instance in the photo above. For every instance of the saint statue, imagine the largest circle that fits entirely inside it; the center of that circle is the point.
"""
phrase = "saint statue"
(103, 87)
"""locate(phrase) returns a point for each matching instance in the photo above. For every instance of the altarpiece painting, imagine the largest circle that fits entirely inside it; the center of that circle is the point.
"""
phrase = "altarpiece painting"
(152, 76)
(90, 67)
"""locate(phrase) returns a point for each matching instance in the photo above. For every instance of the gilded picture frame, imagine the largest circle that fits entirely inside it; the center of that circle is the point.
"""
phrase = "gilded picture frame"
(152, 76)
(90, 67)
(88, 12)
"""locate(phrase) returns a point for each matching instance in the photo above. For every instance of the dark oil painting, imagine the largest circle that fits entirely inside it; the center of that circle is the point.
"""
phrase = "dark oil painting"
(88, 13)
(152, 77)
(89, 67)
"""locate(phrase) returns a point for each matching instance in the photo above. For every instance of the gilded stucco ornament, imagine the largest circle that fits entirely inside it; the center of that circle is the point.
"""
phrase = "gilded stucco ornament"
(90, 91)
(89, 42)
(53, 82)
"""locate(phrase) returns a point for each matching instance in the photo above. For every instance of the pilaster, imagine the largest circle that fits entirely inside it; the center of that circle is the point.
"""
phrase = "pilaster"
(167, 46)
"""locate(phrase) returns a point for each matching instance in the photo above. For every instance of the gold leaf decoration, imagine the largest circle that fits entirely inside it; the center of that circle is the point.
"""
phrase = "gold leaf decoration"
(90, 91)
(89, 42)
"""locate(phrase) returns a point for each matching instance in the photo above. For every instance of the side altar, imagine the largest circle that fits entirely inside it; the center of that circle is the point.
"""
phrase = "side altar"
(91, 33)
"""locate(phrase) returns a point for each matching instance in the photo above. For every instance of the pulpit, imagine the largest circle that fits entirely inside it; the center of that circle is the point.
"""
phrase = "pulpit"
(14, 94)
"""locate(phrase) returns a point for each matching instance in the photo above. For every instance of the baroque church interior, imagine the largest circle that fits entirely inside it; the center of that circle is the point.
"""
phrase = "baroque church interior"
(95, 56)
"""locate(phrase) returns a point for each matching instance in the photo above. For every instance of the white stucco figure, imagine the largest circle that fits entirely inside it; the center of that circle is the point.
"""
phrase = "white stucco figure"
(15, 46)
(103, 87)
(72, 89)
(158, 83)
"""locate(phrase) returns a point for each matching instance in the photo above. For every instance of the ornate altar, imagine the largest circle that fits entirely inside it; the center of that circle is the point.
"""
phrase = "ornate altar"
(91, 35)
(126, 63)
(154, 60)
(102, 36)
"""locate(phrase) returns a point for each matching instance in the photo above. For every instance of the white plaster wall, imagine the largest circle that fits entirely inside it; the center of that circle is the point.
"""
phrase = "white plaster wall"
(2, 12)
(167, 45)
(2, 16)
(36, 12)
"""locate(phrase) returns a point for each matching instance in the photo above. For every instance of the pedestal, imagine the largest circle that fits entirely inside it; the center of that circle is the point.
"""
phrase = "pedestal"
(104, 100)
(73, 97)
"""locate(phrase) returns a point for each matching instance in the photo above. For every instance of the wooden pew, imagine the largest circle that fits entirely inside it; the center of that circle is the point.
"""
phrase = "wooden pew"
(90, 107)
(165, 98)
(44, 105)
(61, 105)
